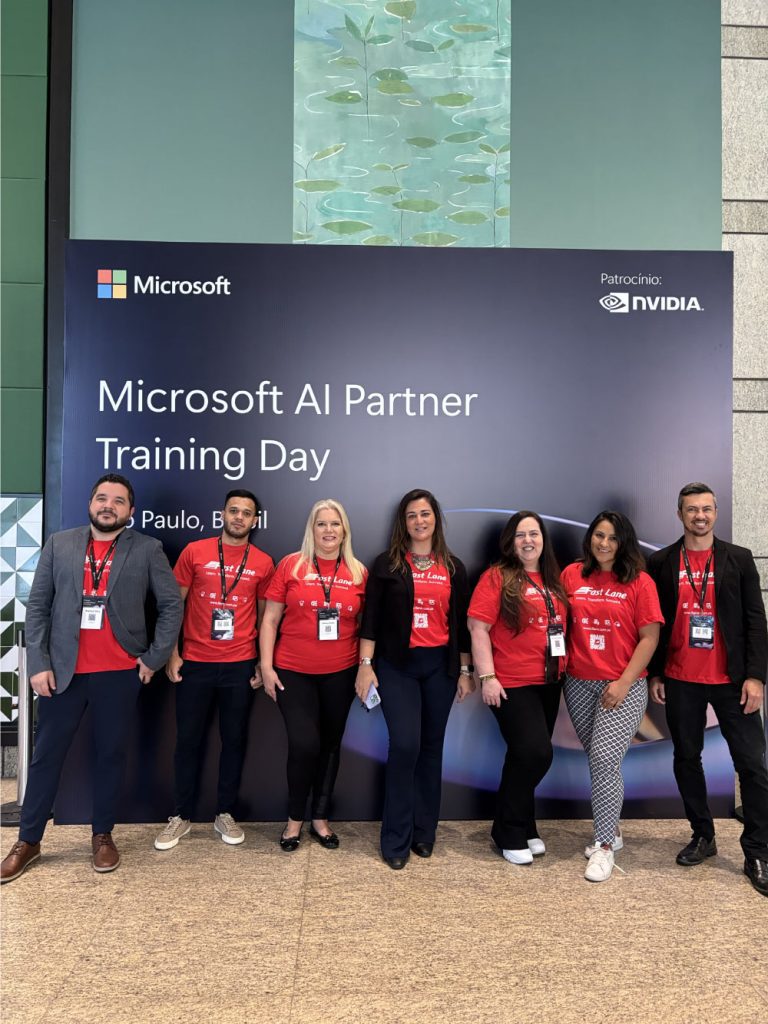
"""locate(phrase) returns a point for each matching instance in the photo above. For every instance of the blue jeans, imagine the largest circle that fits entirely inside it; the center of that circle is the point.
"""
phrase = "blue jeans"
(416, 701)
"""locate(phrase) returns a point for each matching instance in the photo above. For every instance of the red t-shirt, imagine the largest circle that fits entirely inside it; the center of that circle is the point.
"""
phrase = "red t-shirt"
(518, 658)
(98, 650)
(431, 598)
(696, 664)
(605, 619)
(298, 647)
(199, 571)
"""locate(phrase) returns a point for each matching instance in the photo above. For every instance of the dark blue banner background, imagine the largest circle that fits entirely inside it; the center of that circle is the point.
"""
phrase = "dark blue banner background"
(576, 408)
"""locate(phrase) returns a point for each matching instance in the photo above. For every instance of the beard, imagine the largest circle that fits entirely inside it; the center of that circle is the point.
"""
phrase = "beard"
(107, 523)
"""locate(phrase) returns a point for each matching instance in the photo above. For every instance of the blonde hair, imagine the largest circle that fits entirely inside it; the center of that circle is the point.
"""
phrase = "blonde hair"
(307, 552)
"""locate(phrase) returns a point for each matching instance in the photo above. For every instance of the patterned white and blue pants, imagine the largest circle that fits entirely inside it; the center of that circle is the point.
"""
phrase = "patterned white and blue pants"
(605, 735)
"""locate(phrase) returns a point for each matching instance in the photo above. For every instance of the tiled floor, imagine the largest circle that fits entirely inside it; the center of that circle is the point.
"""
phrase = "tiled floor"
(252, 934)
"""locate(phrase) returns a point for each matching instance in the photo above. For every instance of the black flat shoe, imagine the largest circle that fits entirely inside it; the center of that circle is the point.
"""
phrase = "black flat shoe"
(290, 843)
(396, 863)
(697, 851)
(329, 842)
(423, 849)
(756, 871)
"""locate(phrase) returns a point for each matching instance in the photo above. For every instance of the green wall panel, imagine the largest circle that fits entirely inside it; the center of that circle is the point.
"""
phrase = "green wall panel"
(22, 233)
(21, 419)
(24, 103)
(182, 120)
(21, 321)
(24, 43)
(616, 137)
(401, 123)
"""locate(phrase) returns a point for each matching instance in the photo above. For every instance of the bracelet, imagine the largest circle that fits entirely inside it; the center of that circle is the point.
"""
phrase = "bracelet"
(366, 661)
(485, 678)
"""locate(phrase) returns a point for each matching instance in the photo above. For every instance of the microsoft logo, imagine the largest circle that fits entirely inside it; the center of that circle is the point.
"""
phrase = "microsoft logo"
(111, 284)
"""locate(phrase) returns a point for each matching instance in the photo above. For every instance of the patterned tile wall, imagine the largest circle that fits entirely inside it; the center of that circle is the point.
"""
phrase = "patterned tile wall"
(21, 527)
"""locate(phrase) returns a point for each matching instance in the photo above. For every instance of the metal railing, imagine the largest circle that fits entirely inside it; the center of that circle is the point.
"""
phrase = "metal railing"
(11, 812)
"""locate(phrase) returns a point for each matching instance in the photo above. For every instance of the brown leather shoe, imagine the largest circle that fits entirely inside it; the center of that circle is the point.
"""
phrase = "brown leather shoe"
(105, 855)
(18, 860)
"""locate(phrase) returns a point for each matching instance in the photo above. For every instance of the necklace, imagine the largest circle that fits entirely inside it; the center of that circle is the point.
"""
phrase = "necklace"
(423, 562)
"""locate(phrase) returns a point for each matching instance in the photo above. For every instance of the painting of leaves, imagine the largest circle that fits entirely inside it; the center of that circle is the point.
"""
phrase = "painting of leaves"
(401, 122)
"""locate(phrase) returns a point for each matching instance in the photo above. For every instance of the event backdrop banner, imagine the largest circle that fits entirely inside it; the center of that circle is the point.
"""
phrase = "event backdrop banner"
(562, 381)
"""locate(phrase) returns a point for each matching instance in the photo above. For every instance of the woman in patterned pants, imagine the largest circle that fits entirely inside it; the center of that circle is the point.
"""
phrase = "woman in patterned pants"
(614, 630)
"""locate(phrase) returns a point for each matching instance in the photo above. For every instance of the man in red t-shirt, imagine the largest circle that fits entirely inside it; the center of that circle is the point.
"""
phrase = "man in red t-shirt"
(88, 646)
(713, 650)
(223, 581)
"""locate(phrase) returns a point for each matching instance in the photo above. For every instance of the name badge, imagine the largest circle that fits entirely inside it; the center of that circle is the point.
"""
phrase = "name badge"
(701, 631)
(92, 615)
(327, 623)
(223, 624)
(556, 641)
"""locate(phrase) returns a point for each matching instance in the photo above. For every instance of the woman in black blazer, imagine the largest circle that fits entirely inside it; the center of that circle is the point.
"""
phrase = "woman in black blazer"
(415, 620)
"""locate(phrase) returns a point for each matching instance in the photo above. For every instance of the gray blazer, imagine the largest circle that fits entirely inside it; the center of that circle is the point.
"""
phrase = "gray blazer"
(139, 567)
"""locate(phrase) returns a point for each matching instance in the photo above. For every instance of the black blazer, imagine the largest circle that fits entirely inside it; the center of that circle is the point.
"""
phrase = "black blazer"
(740, 609)
(388, 612)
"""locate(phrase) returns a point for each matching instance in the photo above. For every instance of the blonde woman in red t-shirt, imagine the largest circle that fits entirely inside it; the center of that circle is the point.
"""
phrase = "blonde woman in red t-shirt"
(314, 600)
(517, 618)
(614, 629)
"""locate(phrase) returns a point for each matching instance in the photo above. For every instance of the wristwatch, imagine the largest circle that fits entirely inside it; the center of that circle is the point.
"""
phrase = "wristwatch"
(366, 661)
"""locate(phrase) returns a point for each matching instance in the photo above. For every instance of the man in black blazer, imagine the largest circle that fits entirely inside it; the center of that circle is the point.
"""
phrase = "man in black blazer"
(713, 650)
(88, 646)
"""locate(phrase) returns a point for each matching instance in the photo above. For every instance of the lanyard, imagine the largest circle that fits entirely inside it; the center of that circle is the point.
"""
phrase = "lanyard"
(547, 598)
(327, 591)
(704, 578)
(224, 592)
(98, 571)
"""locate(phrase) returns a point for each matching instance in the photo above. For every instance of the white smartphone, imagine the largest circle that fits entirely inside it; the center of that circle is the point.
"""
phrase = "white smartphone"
(372, 700)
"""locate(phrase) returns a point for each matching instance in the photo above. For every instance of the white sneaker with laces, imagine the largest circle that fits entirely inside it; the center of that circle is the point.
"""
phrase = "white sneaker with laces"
(228, 829)
(537, 847)
(618, 844)
(600, 865)
(171, 834)
(518, 856)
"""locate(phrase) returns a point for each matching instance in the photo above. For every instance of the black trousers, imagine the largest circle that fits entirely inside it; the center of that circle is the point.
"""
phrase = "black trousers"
(686, 715)
(416, 701)
(526, 720)
(203, 683)
(314, 709)
(111, 697)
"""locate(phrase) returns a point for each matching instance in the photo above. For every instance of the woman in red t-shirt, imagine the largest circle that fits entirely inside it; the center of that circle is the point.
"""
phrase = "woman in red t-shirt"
(614, 630)
(315, 599)
(517, 619)
(415, 622)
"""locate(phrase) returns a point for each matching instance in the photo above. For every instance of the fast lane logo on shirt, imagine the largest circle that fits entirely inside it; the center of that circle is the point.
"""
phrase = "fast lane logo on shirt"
(600, 592)
(697, 575)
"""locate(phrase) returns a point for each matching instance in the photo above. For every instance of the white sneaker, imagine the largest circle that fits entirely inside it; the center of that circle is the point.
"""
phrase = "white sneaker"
(618, 844)
(518, 856)
(537, 847)
(600, 866)
(228, 829)
(171, 834)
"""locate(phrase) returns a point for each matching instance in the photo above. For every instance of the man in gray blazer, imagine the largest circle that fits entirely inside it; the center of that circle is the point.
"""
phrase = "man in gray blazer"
(88, 646)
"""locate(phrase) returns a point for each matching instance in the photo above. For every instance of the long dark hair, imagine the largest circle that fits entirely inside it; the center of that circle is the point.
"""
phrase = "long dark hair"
(513, 583)
(398, 544)
(629, 561)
